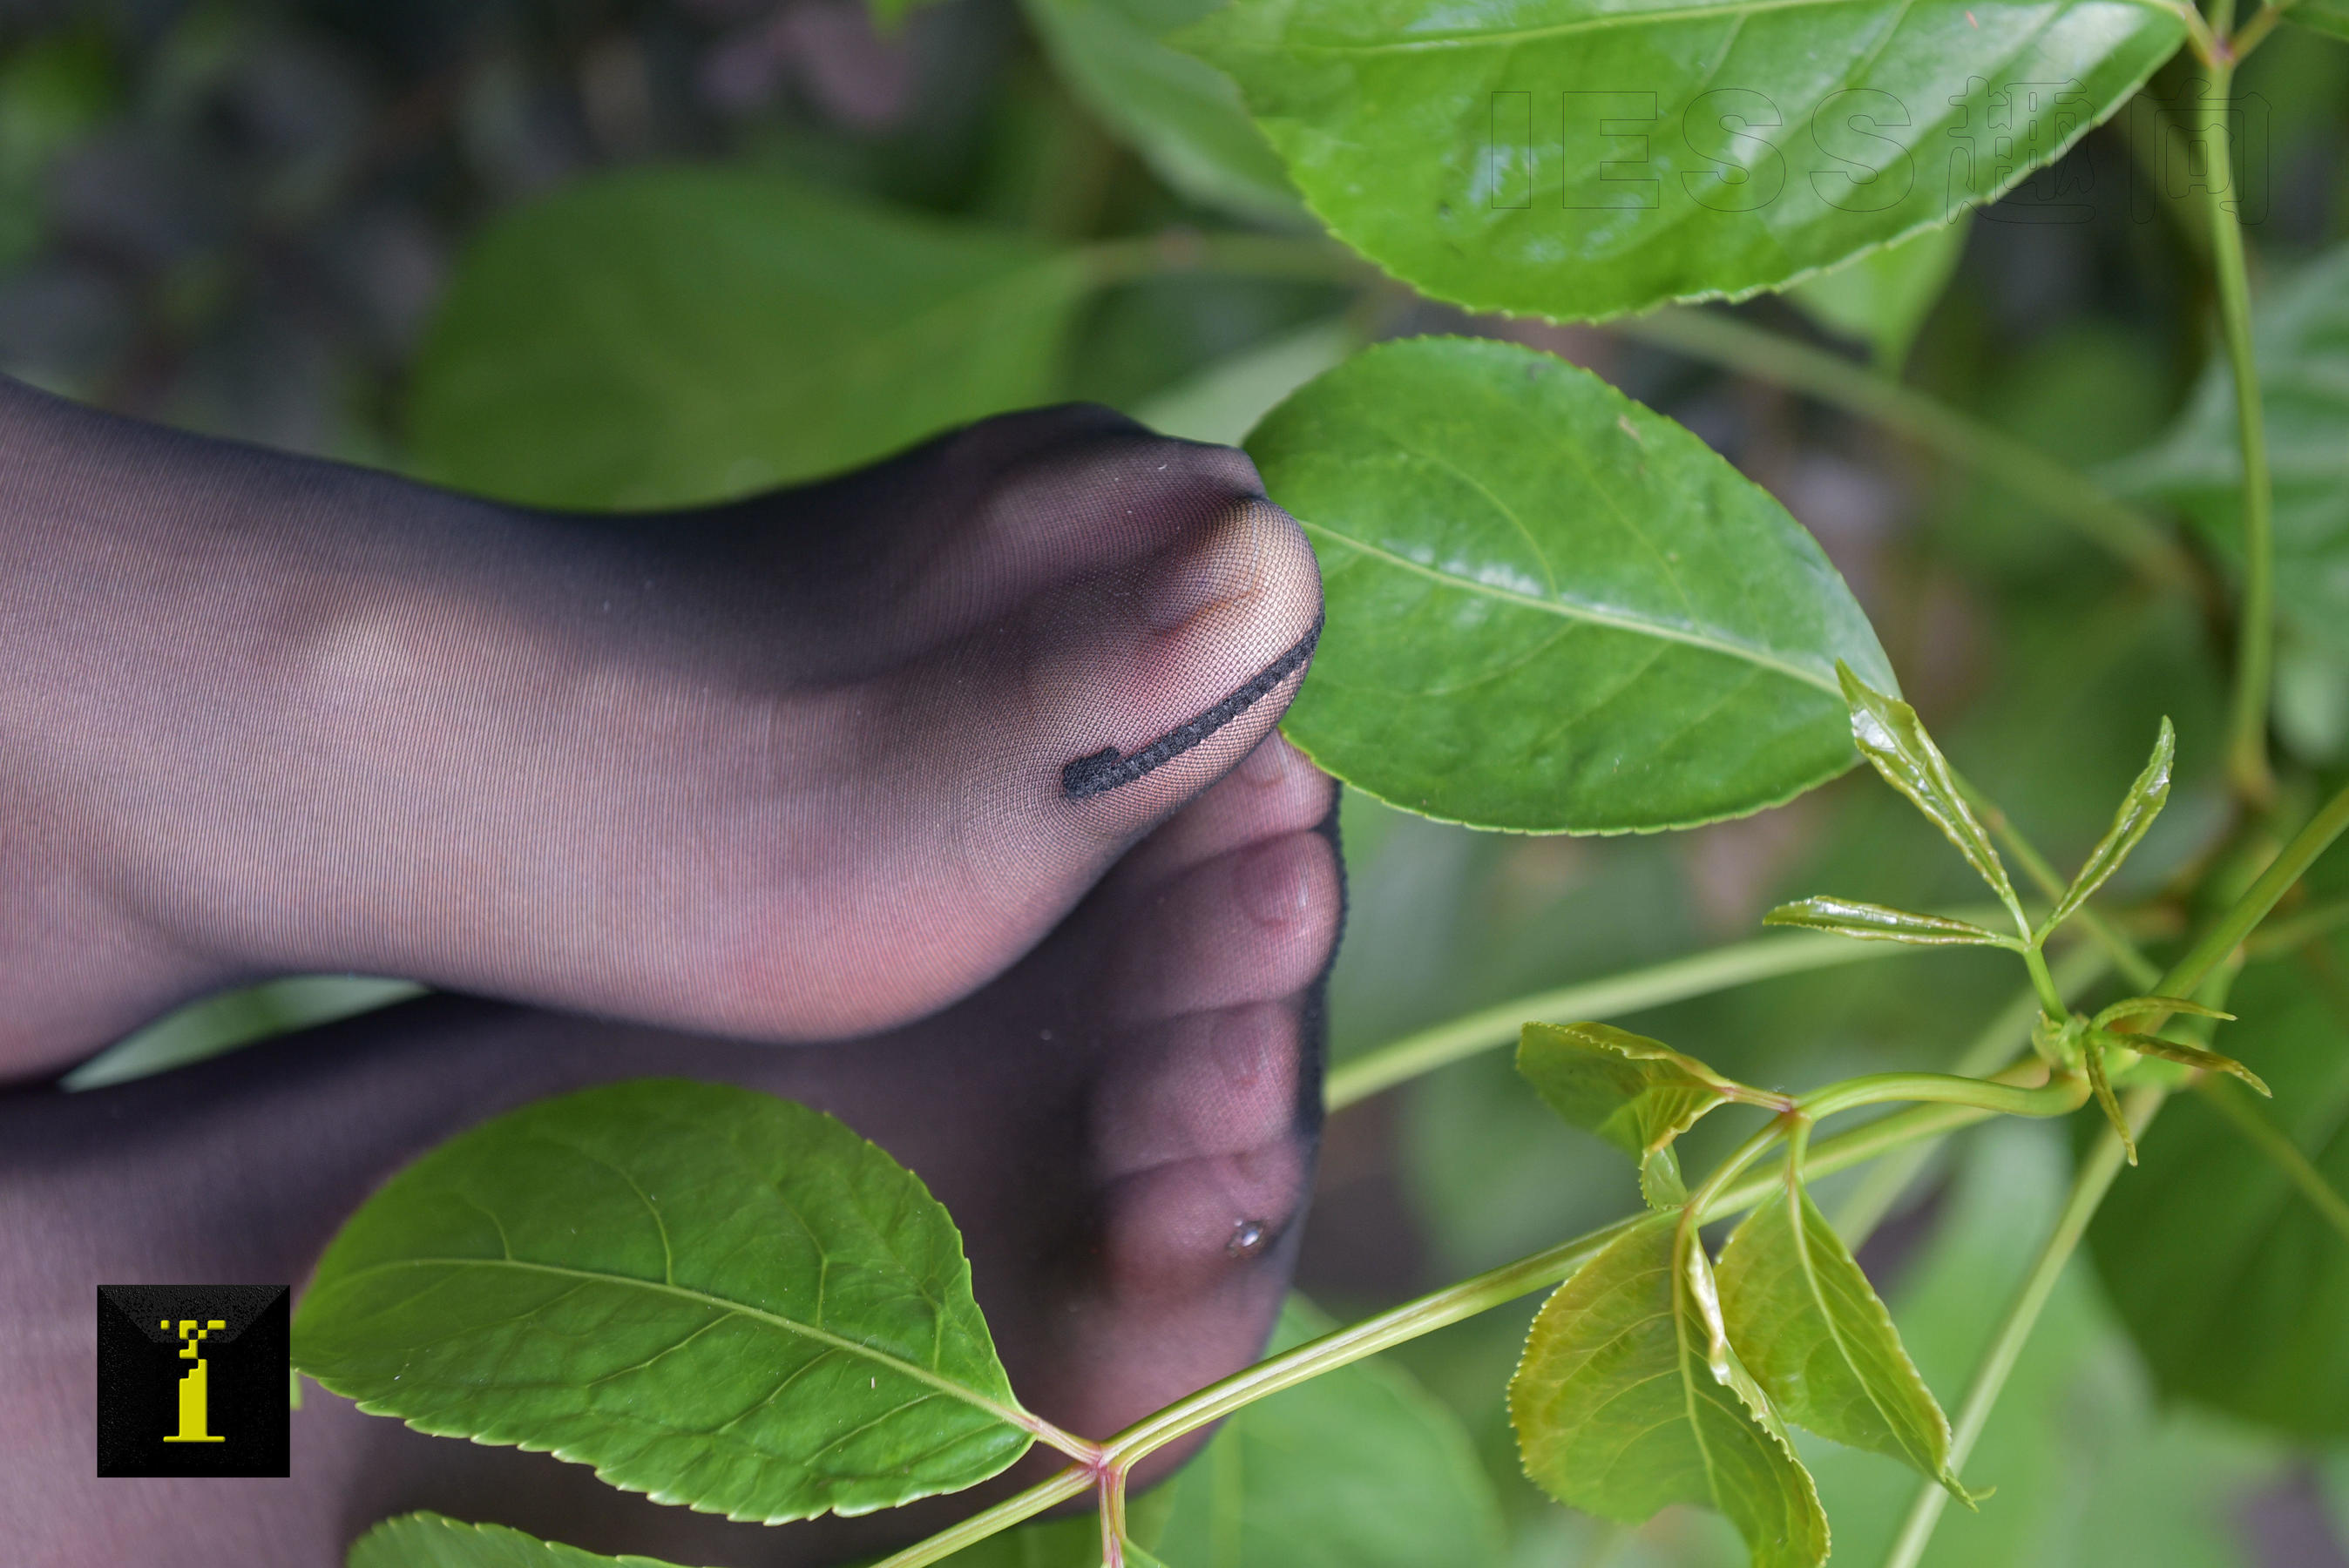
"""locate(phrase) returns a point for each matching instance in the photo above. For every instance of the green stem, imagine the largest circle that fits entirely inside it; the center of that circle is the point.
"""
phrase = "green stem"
(1496, 1286)
(2257, 28)
(2094, 1180)
(2281, 1151)
(2132, 962)
(2247, 753)
(2051, 1000)
(2104, 1162)
(1723, 340)
(1675, 980)
(1074, 1481)
(1700, 1207)
(2009, 1032)
(2057, 1097)
(2290, 934)
(2228, 932)
(2088, 1187)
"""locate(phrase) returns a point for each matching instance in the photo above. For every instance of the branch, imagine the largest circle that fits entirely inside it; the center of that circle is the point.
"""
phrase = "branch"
(1074, 1481)
(2228, 932)
(2001, 1038)
(2104, 1162)
(2247, 746)
(1724, 340)
(2133, 964)
(2088, 1189)
(1496, 1286)
(1674, 980)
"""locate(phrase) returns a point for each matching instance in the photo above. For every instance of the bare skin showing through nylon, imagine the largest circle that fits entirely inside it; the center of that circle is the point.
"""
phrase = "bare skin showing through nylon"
(726, 794)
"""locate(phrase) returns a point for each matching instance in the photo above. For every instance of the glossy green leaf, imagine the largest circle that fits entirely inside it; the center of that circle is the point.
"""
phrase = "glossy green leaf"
(1579, 158)
(1637, 1093)
(1883, 297)
(435, 1540)
(1820, 1342)
(1888, 734)
(1550, 609)
(2193, 1056)
(2301, 337)
(1357, 1469)
(2138, 807)
(2234, 1285)
(712, 1296)
(1875, 923)
(1620, 1413)
(1180, 113)
(672, 336)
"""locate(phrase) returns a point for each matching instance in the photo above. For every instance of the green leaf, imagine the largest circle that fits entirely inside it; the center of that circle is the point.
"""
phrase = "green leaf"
(1180, 113)
(2301, 337)
(2138, 807)
(712, 1296)
(1819, 1342)
(1549, 608)
(674, 336)
(1637, 1093)
(2093, 1057)
(2192, 1057)
(2133, 1006)
(1619, 1412)
(1360, 1467)
(2234, 1285)
(1574, 158)
(2093, 1469)
(1889, 736)
(2330, 17)
(435, 1540)
(1660, 1186)
(1882, 297)
(1875, 923)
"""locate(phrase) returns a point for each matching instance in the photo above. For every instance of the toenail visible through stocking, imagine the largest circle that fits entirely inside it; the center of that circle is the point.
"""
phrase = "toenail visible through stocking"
(1105, 770)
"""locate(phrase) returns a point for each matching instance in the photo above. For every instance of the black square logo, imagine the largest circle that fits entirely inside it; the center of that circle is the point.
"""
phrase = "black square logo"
(193, 1380)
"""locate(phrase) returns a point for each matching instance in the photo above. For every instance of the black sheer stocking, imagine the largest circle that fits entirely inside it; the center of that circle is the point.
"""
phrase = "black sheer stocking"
(1122, 1125)
(793, 768)
(807, 769)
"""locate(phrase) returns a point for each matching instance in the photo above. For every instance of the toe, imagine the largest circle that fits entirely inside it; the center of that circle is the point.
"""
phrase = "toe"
(1031, 501)
(1207, 1085)
(1254, 925)
(1275, 790)
(1151, 707)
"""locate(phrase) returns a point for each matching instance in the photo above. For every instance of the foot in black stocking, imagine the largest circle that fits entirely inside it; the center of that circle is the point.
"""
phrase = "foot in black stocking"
(1123, 1125)
(808, 766)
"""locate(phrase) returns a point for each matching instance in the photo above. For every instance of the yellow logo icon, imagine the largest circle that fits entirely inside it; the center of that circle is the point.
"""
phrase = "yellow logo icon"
(195, 1398)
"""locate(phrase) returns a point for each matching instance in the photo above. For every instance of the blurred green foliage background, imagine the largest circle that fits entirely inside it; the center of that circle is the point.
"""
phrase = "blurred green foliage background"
(243, 219)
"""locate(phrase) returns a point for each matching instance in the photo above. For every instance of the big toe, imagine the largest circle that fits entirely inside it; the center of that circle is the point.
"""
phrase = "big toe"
(1030, 755)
